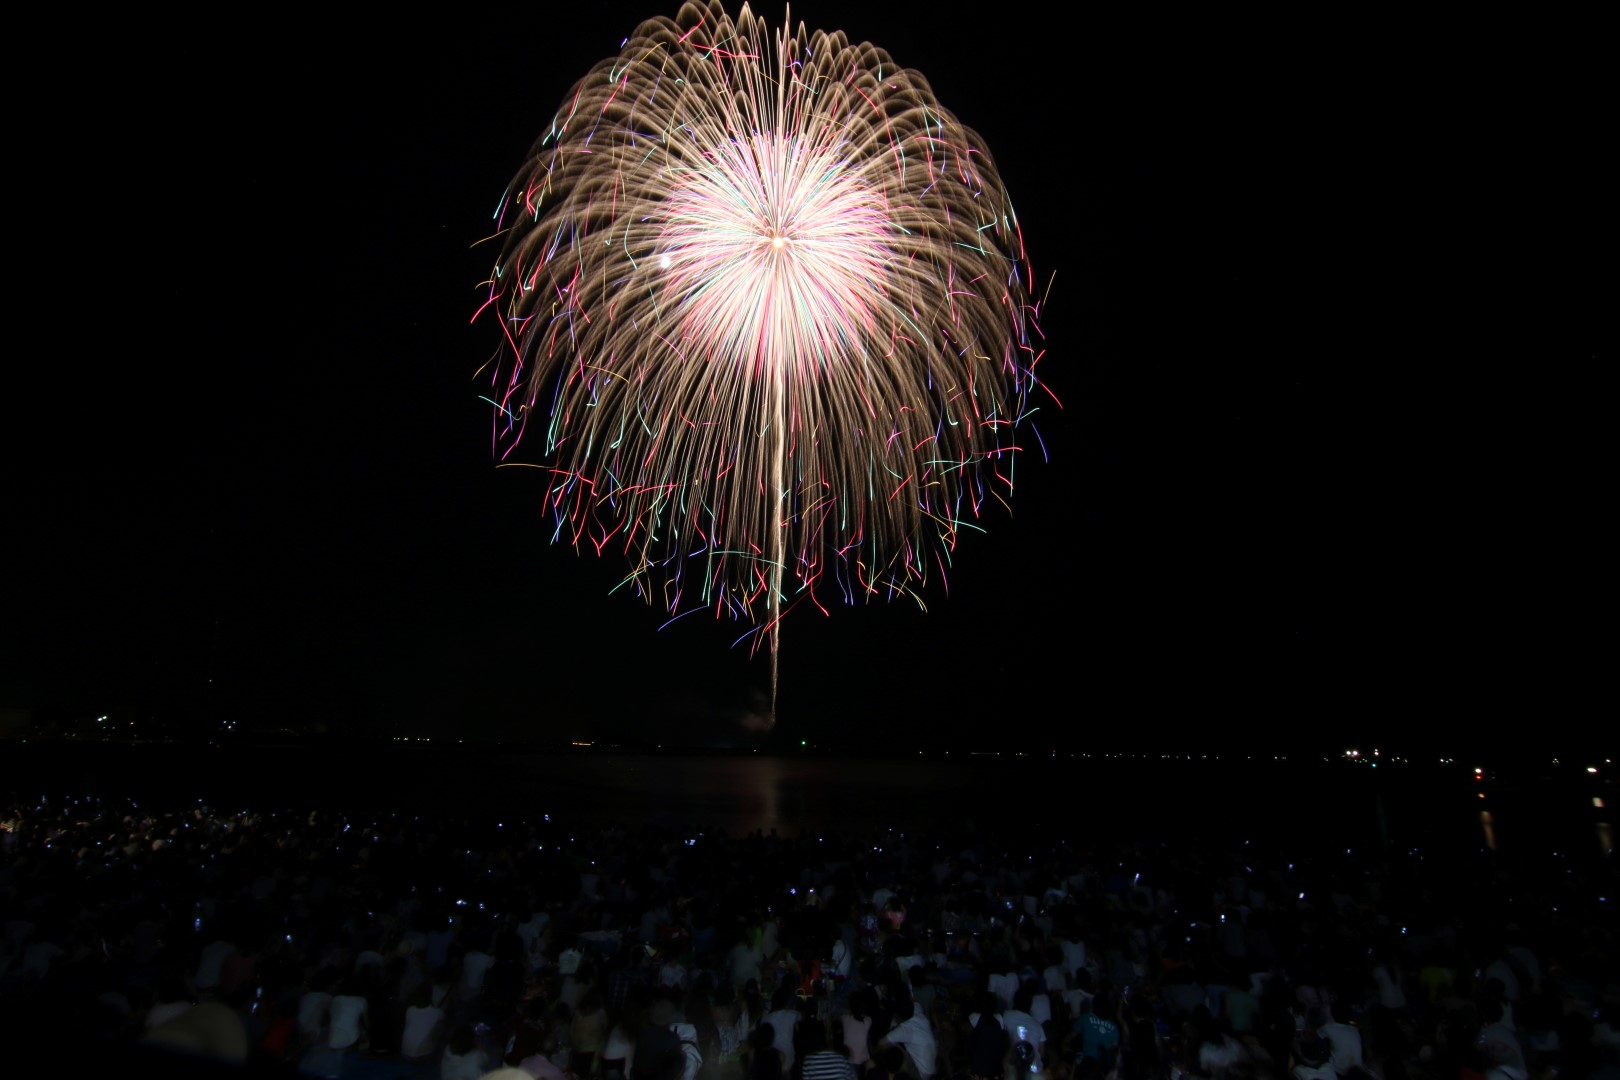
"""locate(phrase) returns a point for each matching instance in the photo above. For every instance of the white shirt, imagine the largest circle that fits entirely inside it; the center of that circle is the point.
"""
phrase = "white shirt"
(1502, 1035)
(346, 1014)
(165, 1011)
(1215, 1058)
(840, 959)
(471, 1067)
(689, 1049)
(782, 1022)
(620, 1046)
(312, 1011)
(474, 966)
(414, 1041)
(745, 962)
(530, 933)
(1077, 1001)
(1004, 986)
(1501, 969)
(1346, 1042)
(1074, 955)
(1390, 994)
(208, 968)
(917, 1039)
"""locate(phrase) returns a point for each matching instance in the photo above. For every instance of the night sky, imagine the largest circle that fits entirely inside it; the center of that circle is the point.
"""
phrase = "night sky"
(1322, 322)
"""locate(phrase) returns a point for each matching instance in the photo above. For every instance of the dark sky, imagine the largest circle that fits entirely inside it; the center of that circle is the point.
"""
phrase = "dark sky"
(1322, 320)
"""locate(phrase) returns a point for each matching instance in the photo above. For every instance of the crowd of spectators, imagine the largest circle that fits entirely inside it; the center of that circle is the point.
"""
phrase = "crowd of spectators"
(319, 944)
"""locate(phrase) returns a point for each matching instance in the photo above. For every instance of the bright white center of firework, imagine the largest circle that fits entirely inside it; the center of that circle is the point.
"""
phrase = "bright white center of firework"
(664, 261)
(784, 254)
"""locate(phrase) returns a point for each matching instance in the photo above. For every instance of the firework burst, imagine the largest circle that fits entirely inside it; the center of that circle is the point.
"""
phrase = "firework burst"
(765, 306)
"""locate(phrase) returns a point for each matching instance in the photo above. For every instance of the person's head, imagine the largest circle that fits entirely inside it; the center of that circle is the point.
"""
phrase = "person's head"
(812, 1037)
(1311, 1050)
(1341, 1011)
(764, 1037)
(1024, 996)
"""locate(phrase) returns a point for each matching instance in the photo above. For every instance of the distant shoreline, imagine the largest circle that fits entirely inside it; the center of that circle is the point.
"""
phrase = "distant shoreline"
(1494, 760)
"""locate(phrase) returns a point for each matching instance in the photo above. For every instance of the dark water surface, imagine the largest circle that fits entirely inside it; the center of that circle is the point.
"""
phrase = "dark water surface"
(1075, 798)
